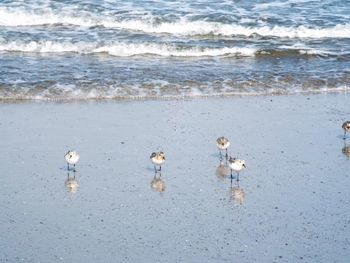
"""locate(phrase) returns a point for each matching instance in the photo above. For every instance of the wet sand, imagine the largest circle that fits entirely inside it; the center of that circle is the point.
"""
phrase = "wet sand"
(292, 204)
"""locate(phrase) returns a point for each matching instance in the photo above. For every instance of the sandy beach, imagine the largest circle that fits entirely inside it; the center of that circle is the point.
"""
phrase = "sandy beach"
(295, 206)
(117, 80)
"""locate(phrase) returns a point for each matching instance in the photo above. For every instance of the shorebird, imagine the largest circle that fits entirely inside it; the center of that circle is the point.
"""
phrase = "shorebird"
(157, 159)
(346, 128)
(72, 158)
(222, 143)
(236, 165)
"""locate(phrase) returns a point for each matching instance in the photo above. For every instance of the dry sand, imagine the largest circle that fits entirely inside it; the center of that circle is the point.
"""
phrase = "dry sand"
(295, 206)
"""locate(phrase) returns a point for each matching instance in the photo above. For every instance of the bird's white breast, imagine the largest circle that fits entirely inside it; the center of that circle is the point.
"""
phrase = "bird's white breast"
(157, 161)
(236, 166)
(72, 158)
(223, 147)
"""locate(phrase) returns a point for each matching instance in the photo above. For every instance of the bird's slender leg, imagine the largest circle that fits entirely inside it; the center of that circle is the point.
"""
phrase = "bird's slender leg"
(160, 168)
(226, 156)
(220, 156)
(344, 135)
(237, 177)
(73, 167)
(155, 169)
(231, 175)
(67, 166)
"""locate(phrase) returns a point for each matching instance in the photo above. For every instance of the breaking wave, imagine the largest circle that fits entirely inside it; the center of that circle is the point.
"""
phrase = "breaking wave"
(17, 17)
(121, 49)
(153, 90)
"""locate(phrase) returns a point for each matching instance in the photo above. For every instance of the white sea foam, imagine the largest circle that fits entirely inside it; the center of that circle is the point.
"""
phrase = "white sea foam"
(43, 47)
(305, 50)
(126, 49)
(261, 6)
(19, 17)
(153, 91)
(123, 49)
(170, 50)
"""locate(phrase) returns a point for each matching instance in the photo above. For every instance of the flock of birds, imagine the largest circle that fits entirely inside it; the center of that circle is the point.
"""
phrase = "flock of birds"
(158, 158)
(235, 164)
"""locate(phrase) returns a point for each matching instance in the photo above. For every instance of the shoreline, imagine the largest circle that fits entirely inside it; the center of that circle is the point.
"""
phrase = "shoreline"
(345, 91)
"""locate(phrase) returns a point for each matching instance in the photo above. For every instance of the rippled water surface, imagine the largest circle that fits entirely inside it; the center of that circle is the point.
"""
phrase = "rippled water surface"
(115, 49)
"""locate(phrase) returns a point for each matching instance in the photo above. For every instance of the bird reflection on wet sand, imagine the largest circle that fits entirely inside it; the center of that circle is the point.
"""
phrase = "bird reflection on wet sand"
(157, 184)
(346, 150)
(237, 194)
(222, 170)
(71, 183)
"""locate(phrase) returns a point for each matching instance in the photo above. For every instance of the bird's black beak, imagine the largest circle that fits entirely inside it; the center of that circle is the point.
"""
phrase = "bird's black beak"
(244, 166)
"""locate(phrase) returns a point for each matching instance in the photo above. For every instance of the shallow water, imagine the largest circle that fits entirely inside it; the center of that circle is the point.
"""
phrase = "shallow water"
(116, 49)
(295, 206)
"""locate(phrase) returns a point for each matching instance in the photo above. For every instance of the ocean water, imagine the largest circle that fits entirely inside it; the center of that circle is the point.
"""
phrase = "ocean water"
(86, 49)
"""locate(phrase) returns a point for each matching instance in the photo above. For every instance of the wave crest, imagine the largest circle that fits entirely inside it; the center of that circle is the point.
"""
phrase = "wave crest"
(128, 49)
(19, 17)
(123, 49)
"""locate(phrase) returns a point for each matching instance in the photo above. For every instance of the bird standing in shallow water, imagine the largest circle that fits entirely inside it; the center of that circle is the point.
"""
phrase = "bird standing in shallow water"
(72, 158)
(222, 143)
(236, 165)
(346, 128)
(157, 159)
